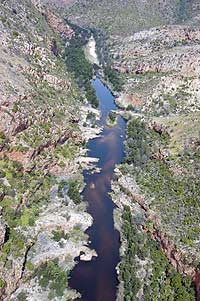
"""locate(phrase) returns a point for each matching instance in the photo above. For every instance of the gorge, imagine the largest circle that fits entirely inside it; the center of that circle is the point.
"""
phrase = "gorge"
(99, 150)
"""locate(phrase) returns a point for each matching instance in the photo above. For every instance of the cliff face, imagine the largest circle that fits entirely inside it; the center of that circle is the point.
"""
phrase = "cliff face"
(32, 76)
(177, 259)
(155, 47)
(42, 227)
(165, 62)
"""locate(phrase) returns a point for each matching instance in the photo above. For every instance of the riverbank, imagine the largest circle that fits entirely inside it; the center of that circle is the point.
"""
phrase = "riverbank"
(141, 225)
(59, 232)
(109, 149)
(90, 51)
(45, 123)
(146, 221)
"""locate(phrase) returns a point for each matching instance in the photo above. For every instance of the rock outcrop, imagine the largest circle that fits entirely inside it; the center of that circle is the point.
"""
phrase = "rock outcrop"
(41, 146)
(162, 69)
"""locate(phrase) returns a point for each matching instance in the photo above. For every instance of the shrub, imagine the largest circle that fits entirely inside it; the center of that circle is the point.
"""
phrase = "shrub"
(2, 135)
(73, 191)
(59, 234)
(51, 274)
(22, 296)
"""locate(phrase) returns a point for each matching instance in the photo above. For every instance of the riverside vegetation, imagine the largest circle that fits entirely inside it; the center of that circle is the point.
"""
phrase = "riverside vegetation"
(43, 219)
(162, 189)
(159, 177)
(163, 282)
(44, 83)
(78, 64)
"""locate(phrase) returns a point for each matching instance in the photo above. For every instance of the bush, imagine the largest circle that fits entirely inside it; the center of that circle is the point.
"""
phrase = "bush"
(51, 275)
(73, 191)
(59, 234)
(2, 135)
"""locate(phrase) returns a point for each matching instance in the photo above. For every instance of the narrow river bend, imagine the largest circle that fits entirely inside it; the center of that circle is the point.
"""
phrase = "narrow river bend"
(97, 280)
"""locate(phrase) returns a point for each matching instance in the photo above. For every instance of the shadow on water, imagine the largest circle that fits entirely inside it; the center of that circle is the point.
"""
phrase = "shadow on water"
(97, 280)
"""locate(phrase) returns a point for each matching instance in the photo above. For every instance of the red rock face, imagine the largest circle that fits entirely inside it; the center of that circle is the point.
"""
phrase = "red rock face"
(21, 157)
(168, 247)
(177, 259)
(158, 128)
(58, 25)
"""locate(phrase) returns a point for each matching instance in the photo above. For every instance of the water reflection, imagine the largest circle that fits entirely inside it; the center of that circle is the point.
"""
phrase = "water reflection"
(97, 280)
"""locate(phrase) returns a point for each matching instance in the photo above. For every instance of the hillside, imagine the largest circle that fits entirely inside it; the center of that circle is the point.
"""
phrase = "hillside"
(42, 138)
(126, 17)
(149, 54)
(154, 47)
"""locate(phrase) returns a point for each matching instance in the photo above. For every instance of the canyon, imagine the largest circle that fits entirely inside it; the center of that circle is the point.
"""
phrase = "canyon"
(63, 161)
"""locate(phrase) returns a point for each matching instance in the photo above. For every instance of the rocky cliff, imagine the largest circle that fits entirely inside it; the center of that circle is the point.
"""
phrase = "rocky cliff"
(41, 156)
(154, 47)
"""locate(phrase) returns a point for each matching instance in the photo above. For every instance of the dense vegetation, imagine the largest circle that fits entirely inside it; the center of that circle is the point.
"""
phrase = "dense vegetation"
(114, 78)
(33, 183)
(177, 193)
(172, 196)
(78, 64)
(142, 143)
(161, 282)
(13, 211)
(51, 275)
(74, 191)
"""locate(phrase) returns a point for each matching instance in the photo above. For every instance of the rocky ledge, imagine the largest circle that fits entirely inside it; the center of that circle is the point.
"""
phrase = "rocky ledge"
(44, 119)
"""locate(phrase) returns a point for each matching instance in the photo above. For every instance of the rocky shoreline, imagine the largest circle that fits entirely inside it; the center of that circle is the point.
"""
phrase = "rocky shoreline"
(43, 132)
(45, 125)
(126, 193)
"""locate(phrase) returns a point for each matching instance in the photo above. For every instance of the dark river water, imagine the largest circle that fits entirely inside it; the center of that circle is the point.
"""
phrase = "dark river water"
(97, 280)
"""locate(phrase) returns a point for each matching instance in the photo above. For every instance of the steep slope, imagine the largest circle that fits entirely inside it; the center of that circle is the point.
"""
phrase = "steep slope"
(159, 181)
(125, 17)
(41, 138)
(159, 66)
(162, 67)
(42, 220)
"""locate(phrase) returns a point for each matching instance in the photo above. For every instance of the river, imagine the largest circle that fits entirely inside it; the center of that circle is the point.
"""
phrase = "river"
(96, 280)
